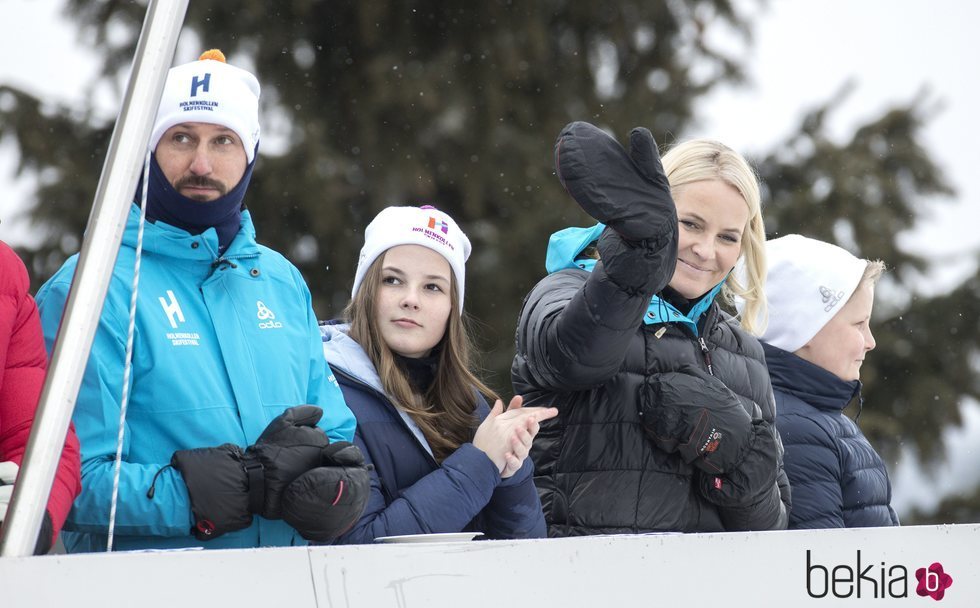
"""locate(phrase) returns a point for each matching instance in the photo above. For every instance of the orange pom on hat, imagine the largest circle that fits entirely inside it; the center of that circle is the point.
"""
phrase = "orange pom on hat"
(211, 91)
(213, 55)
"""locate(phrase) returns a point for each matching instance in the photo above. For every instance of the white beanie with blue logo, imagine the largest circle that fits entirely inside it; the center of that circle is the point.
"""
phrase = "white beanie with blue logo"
(425, 226)
(807, 283)
(210, 91)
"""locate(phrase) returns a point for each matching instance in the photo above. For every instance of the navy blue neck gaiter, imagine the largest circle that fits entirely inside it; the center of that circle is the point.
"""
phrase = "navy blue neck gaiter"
(224, 214)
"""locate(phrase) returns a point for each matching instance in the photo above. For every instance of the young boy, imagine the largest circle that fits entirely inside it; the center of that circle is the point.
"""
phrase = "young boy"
(820, 299)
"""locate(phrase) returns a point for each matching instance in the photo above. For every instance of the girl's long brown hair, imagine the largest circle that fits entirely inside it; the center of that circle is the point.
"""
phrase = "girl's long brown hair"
(446, 412)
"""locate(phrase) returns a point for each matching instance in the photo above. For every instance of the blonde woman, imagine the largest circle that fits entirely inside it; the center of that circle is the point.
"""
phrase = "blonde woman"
(665, 408)
(443, 460)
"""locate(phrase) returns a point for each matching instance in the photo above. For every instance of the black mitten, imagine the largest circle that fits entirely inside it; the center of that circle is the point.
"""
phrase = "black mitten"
(695, 415)
(287, 448)
(327, 501)
(626, 191)
(754, 477)
(225, 488)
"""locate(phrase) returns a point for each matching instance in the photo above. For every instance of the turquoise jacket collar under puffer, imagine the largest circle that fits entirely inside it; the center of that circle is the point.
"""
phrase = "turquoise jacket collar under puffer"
(564, 249)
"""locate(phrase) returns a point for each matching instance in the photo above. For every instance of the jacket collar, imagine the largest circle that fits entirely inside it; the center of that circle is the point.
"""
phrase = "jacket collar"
(811, 383)
(164, 239)
(346, 355)
(564, 248)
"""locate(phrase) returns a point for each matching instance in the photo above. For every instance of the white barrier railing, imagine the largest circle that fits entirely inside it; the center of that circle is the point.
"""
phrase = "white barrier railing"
(786, 569)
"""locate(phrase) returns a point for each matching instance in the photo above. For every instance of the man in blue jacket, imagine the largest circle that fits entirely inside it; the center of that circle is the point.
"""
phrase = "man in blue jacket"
(226, 344)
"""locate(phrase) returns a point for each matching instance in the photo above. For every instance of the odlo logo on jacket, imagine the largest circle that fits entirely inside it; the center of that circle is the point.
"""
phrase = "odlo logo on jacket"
(267, 318)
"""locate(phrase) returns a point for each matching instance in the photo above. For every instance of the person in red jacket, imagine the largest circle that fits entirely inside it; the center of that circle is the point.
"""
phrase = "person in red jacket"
(23, 363)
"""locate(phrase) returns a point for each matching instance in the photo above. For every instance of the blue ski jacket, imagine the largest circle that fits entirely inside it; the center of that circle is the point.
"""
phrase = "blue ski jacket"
(222, 345)
(410, 492)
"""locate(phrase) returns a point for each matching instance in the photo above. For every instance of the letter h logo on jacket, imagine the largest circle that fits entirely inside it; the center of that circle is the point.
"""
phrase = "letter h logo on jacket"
(172, 309)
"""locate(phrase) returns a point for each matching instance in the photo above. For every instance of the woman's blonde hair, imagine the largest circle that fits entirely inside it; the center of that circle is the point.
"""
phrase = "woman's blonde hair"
(446, 412)
(704, 159)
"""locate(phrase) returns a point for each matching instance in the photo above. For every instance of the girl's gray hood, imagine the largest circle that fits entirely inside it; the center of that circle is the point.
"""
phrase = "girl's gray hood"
(343, 353)
(346, 355)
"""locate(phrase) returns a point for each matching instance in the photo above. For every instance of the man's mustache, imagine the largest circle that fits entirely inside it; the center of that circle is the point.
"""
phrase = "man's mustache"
(200, 181)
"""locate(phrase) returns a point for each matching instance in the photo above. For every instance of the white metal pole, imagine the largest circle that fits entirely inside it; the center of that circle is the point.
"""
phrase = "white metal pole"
(106, 224)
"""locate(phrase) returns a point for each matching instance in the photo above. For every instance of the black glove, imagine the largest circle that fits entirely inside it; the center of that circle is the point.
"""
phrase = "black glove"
(696, 416)
(225, 488)
(287, 448)
(753, 478)
(226, 485)
(626, 191)
(325, 502)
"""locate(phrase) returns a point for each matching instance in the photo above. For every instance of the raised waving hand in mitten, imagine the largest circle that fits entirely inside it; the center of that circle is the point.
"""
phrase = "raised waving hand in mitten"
(627, 191)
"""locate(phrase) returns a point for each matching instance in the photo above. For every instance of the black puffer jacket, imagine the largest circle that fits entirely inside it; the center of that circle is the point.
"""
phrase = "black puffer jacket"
(583, 348)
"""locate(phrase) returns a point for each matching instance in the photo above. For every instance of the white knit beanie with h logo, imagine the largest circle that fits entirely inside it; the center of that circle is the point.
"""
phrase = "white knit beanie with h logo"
(210, 91)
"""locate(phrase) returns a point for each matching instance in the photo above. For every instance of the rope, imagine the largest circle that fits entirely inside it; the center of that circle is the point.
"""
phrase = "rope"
(124, 400)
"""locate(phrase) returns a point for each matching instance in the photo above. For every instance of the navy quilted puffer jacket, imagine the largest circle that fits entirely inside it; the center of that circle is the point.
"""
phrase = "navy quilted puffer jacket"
(838, 479)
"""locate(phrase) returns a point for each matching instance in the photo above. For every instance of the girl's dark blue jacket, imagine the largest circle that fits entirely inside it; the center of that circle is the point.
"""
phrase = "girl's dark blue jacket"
(838, 479)
(410, 492)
